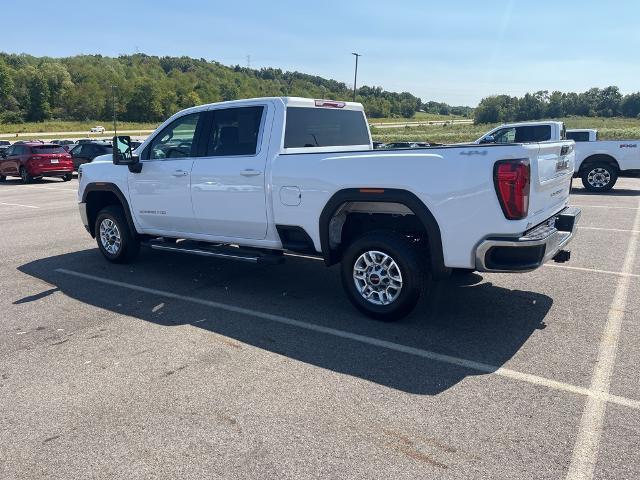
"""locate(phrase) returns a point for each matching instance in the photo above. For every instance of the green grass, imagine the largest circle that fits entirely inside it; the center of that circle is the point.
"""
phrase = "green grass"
(608, 128)
(69, 126)
(418, 117)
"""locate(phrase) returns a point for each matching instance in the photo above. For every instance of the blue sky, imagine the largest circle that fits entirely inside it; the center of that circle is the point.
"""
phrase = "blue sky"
(453, 51)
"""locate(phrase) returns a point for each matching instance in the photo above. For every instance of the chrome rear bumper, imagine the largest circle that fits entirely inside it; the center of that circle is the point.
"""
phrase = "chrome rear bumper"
(531, 250)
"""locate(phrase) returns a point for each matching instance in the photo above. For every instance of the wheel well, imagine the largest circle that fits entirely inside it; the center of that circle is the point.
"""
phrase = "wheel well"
(352, 212)
(599, 158)
(96, 201)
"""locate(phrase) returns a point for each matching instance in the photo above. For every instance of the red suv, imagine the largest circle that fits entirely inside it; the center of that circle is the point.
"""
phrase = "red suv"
(31, 160)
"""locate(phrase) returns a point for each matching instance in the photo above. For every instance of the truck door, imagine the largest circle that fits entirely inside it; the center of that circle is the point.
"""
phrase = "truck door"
(228, 184)
(161, 192)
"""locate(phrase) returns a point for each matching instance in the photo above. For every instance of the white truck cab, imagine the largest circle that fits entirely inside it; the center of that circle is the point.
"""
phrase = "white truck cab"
(598, 163)
(525, 132)
(252, 180)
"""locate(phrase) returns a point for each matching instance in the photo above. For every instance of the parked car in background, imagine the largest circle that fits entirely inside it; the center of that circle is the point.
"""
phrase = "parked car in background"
(599, 163)
(5, 143)
(378, 145)
(80, 141)
(86, 152)
(97, 129)
(34, 160)
(395, 145)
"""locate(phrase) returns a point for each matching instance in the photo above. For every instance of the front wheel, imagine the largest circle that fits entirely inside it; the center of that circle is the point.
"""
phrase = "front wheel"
(115, 239)
(599, 177)
(383, 274)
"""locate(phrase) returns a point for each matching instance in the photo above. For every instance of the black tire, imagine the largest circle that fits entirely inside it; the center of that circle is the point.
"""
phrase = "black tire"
(67, 177)
(3, 178)
(129, 245)
(26, 178)
(599, 176)
(410, 262)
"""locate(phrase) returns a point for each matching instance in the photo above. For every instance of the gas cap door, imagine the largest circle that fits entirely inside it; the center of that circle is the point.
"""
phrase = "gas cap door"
(290, 196)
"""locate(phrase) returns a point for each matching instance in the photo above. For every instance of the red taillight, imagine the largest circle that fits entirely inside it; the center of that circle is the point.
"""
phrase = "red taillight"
(511, 179)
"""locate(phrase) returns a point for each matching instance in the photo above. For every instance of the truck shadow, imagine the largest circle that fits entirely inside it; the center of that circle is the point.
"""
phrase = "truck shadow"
(466, 318)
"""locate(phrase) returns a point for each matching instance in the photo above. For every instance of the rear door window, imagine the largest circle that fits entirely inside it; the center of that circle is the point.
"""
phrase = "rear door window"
(324, 127)
(533, 133)
(578, 136)
(234, 131)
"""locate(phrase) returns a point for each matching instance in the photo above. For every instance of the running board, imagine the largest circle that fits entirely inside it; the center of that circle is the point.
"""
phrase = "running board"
(218, 251)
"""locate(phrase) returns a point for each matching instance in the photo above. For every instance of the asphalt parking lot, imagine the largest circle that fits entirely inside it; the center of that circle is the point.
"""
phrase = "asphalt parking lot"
(179, 367)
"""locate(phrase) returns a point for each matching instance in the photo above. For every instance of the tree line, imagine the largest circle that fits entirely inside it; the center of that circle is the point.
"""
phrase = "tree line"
(595, 102)
(150, 88)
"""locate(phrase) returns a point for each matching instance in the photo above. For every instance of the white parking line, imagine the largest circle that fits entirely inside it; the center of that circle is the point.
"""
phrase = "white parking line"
(18, 205)
(438, 357)
(605, 206)
(59, 189)
(593, 270)
(585, 451)
(608, 229)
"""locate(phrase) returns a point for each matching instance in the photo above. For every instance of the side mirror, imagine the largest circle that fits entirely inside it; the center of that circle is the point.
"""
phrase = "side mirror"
(488, 139)
(122, 151)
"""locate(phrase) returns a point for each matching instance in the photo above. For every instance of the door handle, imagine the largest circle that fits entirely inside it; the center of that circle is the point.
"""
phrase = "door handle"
(250, 172)
(180, 173)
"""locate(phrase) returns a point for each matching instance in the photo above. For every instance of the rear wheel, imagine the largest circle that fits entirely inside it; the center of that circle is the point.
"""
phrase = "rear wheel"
(26, 178)
(115, 240)
(383, 274)
(3, 178)
(599, 177)
(67, 177)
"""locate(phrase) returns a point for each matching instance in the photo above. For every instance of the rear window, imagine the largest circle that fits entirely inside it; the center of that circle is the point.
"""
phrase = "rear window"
(578, 136)
(534, 133)
(324, 127)
(38, 149)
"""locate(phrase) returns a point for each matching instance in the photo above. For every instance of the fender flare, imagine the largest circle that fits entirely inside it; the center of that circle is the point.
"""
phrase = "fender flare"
(112, 188)
(408, 199)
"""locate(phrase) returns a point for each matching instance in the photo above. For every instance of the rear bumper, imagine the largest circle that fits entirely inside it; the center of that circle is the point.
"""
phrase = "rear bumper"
(58, 172)
(531, 250)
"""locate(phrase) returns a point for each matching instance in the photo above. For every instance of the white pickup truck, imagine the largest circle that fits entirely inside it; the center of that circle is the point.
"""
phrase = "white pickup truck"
(598, 163)
(252, 180)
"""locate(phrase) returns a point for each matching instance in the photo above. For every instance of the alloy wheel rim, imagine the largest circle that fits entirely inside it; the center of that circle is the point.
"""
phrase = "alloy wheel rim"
(377, 277)
(110, 236)
(599, 177)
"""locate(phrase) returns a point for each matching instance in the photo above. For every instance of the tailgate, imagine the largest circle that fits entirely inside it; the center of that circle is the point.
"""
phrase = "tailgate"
(551, 174)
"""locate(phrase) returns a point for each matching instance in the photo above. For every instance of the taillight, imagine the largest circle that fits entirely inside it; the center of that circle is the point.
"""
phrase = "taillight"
(512, 182)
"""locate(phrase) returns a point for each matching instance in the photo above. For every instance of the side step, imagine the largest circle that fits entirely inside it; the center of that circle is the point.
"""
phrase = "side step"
(249, 255)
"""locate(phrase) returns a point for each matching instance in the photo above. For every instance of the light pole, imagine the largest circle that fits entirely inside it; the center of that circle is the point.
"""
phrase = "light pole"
(355, 77)
(115, 119)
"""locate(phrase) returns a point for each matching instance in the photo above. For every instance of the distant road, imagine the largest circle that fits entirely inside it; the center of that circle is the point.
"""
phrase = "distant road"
(65, 135)
(427, 123)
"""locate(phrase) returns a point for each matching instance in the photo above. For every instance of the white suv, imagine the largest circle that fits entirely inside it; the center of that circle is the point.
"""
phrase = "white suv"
(98, 129)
